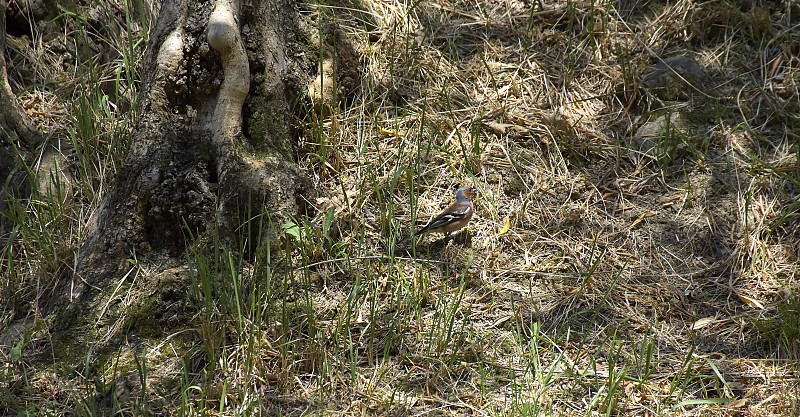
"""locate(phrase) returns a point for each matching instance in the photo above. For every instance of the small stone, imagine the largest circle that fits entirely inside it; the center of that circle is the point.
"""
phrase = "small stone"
(668, 78)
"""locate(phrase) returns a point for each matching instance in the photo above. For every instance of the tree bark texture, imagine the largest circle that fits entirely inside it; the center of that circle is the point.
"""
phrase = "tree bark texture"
(213, 145)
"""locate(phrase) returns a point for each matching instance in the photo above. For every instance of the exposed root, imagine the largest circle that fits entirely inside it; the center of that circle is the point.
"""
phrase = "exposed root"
(224, 37)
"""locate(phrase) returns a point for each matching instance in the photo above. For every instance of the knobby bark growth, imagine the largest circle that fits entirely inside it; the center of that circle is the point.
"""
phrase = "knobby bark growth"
(213, 147)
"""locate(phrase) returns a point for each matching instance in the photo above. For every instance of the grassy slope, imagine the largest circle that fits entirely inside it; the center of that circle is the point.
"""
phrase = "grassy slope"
(591, 281)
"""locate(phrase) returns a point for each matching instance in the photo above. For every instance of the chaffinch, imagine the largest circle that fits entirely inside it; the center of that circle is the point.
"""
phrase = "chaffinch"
(452, 218)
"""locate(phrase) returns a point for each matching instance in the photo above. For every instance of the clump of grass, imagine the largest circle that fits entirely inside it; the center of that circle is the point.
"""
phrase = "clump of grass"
(784, 328)
(85, 143)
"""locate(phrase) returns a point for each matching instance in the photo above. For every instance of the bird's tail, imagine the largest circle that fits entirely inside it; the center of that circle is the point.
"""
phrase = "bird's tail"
(418, 233)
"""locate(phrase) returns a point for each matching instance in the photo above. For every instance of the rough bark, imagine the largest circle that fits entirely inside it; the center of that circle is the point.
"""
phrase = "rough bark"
(191, 163)
(213, 146)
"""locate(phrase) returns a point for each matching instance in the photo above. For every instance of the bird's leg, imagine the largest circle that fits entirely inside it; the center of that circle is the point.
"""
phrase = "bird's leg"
(447, 237)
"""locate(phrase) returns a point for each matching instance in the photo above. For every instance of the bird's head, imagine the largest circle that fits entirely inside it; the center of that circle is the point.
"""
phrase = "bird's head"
(466, 192)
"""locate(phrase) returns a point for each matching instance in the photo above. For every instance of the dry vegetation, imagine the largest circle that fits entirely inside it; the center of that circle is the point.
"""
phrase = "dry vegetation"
(596, 275)
(604, 272)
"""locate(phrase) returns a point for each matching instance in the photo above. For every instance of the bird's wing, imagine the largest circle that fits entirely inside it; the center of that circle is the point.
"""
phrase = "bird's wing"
(448, 216)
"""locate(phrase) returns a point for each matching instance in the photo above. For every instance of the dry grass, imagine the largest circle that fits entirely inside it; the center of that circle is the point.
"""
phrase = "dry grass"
(593, 279)
(604, 255)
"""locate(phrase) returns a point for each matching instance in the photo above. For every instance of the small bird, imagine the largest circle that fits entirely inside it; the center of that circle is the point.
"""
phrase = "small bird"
(452, 218)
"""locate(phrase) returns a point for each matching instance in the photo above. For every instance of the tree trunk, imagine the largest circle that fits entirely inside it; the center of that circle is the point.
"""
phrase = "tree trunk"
(213, 147)
(192, 166)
